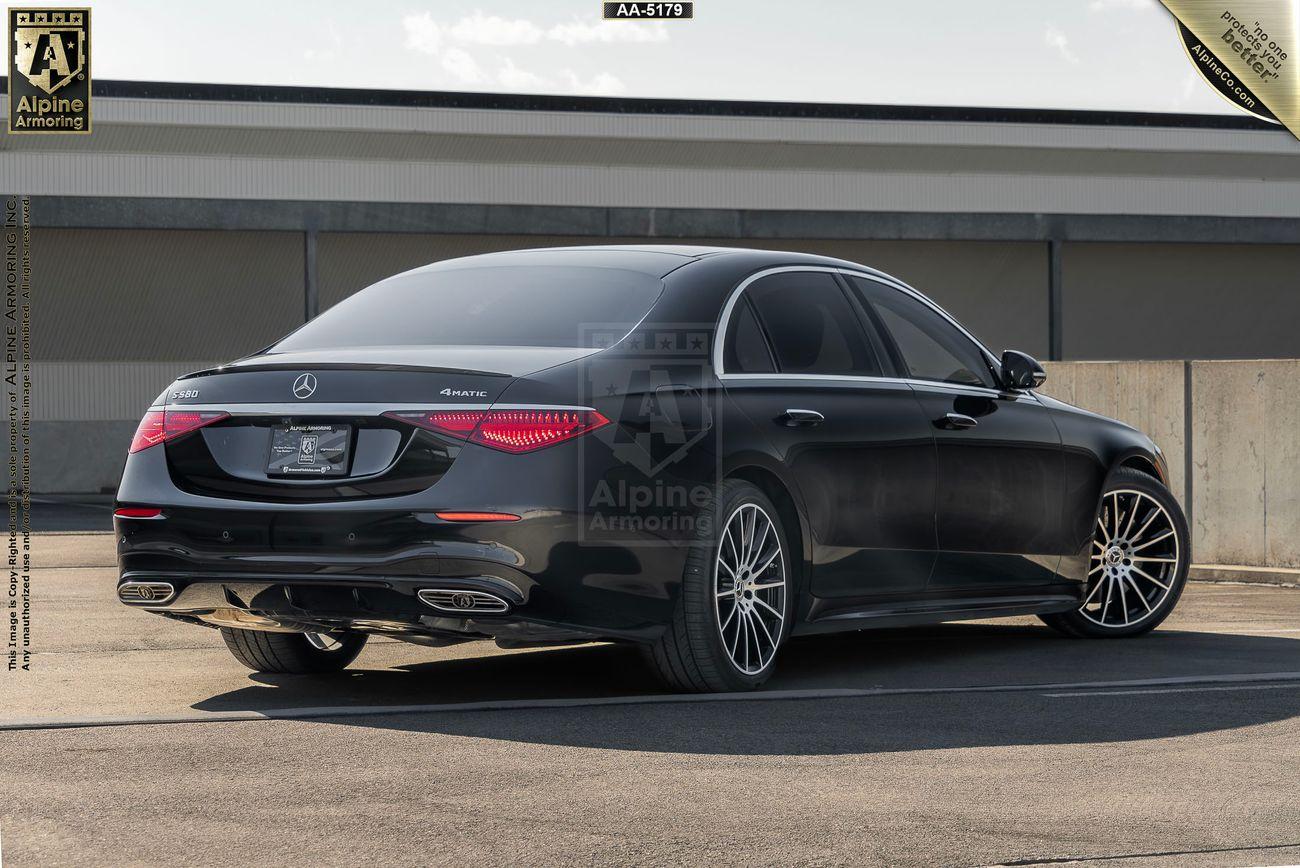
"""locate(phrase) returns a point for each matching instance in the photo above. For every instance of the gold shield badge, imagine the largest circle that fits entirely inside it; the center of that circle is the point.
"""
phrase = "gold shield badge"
(49, 71)
(50, 46)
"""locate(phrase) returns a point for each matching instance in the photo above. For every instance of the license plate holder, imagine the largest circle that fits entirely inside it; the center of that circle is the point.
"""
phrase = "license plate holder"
(309, 451)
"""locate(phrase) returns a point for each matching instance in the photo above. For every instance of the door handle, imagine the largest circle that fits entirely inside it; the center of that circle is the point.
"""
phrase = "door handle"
(800, 418)
(955, 421)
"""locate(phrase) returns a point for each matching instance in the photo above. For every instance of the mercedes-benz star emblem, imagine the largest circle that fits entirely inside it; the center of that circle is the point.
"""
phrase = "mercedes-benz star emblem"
(304, 386)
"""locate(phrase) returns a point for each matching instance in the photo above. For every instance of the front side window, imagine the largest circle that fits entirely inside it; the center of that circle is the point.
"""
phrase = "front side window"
(931, 347)
(813, 328)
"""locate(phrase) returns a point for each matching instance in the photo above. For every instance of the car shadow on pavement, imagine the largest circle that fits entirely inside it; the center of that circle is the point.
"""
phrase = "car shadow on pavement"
(939, 658)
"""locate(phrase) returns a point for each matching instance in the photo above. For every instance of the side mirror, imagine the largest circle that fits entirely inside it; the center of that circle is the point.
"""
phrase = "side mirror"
(1021, 371)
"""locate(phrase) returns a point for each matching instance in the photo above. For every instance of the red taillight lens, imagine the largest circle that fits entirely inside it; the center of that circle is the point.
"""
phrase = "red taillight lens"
(457, 423)
(138, 512)
(508, 430)
(526, 430)
(159, 426)
(477, 516)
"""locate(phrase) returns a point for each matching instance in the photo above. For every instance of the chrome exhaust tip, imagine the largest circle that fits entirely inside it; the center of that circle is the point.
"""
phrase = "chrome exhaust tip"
(145, 592)
(463, 601)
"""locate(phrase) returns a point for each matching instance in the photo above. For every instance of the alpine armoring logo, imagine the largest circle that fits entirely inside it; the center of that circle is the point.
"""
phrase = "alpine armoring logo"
(49, 71)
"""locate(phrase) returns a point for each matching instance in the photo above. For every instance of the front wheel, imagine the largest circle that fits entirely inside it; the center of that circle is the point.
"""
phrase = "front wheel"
(735, 605)
(1137, 563)
(293, 653)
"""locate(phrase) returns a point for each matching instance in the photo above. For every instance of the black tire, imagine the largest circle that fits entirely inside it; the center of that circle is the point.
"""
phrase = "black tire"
(1076, 624)
(690, 657)
(291, 653)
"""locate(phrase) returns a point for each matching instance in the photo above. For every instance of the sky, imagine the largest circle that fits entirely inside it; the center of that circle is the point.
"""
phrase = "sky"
(1088, 54)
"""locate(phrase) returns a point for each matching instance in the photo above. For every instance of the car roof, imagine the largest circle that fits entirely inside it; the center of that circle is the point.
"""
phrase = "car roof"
(652, 259)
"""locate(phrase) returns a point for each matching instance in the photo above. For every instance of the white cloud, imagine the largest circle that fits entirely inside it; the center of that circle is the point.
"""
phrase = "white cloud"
(1056, 38)
(459, 63)
(1137, 5)
(603, 84)
(422, 33)
(480, 29)
(577, 32)
(514, 78)
(426, 34)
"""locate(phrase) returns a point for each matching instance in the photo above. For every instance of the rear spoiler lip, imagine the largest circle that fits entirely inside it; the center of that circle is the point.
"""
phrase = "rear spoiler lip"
(341, 366)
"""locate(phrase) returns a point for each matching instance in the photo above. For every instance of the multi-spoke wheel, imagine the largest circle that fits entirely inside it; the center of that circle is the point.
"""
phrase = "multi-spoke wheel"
(749, 582)
(1137, 564)
(293, 652)
(323, 641)
(734, 607)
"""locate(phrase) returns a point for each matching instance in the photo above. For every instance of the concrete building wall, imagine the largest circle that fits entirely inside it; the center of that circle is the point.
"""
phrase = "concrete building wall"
(647, 156)
(135, 295)
(997, 289)
(1180, 301)
(200, 222)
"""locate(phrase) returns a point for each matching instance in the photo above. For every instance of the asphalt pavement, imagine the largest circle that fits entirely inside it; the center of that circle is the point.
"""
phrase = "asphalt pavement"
(964, 744)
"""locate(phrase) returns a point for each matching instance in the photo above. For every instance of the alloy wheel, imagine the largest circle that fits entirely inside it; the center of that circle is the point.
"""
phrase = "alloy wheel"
(1134, 560)
(750, 589)
(322, 641)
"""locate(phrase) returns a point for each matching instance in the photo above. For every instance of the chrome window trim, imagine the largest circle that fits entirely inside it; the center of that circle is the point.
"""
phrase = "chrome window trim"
(847, 378)
(897, 381)
(724, 320)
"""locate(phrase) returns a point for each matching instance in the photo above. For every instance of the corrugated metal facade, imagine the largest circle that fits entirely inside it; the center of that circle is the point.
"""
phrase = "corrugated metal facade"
(203, 228)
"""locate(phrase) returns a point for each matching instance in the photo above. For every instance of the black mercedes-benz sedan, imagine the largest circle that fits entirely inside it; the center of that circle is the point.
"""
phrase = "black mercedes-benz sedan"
(702, 451)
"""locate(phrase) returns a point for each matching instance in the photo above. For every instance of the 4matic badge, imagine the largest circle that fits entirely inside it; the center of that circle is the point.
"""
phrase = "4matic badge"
(463, 393)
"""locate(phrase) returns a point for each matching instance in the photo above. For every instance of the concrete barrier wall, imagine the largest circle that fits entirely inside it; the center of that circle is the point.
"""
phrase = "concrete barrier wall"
(1243, 420)
(1246, 462)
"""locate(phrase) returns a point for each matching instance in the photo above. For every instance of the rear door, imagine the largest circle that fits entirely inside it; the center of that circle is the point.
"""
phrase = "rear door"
(802, 367)
(1001, 472)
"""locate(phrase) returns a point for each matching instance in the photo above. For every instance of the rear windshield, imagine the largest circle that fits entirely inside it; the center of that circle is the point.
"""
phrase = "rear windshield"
(546, 306)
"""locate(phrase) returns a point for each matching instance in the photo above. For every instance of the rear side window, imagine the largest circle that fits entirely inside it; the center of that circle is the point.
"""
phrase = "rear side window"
(537, 306)
(813, 328)
(747, 351)
(932, 348)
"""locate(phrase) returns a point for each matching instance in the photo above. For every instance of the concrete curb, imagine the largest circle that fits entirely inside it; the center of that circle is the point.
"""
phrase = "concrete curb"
(1280, 576)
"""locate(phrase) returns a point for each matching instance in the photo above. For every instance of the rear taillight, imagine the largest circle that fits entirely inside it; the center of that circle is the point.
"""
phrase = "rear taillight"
(159, 426)
(518, 430)
(138, 512)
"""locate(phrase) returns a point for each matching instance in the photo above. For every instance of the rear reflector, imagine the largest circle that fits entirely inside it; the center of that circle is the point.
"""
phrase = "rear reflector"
(521, 430)
(159, 426)
(138, 512)
(477, 516)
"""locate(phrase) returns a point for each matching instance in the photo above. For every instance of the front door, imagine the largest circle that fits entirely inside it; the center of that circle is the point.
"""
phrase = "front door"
(1000, 465)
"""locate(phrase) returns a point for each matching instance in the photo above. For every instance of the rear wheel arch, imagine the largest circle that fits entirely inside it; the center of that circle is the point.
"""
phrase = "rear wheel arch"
(791, 517)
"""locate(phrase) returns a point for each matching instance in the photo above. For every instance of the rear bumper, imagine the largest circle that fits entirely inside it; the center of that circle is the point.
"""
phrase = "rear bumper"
(566, 564)
(367, 604)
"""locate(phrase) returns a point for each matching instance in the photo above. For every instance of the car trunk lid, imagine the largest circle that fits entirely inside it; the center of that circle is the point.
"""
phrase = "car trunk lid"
(311, 426)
